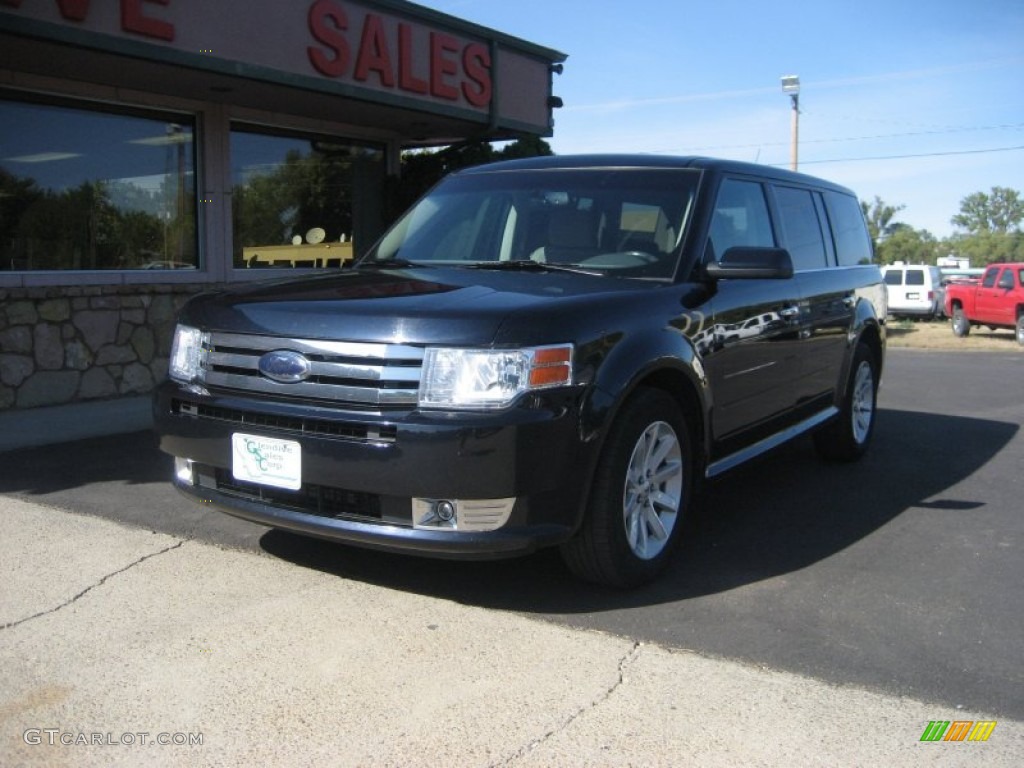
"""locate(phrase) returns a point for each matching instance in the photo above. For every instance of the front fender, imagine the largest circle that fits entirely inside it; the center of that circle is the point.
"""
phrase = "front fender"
(665, 359)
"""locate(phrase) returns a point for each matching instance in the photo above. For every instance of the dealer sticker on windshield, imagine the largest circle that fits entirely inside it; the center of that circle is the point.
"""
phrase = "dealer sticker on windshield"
(266, 461)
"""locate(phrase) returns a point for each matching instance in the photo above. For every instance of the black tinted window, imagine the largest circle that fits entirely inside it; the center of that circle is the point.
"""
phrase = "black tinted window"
(990, 278)
(894, 277)
(1006, 281)
(801, 228)
(740, 218)
(915, 277)
(853, 245)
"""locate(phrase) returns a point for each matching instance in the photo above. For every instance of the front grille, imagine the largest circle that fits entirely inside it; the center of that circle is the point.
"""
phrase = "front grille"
(342, 430)
(341, 372)
(319, 500)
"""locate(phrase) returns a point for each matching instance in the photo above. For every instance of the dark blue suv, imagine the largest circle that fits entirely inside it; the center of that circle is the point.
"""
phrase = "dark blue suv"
(554, 351)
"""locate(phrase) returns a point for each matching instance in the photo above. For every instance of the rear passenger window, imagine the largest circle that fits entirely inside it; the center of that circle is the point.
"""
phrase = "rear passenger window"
(853, 245)
(801, 228)
(915, 277)
(894, 277)
(740, 218)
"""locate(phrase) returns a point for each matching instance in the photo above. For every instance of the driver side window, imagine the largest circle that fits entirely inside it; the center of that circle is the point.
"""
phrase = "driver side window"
(740, 218)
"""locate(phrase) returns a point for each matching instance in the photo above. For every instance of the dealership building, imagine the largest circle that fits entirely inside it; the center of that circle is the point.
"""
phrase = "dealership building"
(152, 149)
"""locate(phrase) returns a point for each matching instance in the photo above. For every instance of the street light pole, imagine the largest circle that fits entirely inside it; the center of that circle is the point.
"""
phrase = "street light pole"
(791, 85)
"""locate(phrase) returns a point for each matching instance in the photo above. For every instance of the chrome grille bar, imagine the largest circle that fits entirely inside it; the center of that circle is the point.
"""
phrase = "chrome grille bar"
(340, 371)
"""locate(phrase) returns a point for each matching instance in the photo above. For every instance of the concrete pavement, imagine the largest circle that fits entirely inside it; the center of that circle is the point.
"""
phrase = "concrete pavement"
(114, 638)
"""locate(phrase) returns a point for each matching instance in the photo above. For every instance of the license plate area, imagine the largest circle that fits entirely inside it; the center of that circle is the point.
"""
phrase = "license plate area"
(266, 461)
(913, 296)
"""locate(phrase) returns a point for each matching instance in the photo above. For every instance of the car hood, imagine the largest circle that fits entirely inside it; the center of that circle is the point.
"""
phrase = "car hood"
(417, 305)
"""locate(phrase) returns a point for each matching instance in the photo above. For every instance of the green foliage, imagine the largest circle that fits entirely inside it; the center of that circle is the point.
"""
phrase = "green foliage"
(85, 228)
(993, 222)
(421, 170)
(987, 247)
(1000, 212)
(879, 217)
(306, 191)
(909, 245)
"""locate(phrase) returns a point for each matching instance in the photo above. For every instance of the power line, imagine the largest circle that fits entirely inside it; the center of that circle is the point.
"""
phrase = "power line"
(844, 139)
(905, 157)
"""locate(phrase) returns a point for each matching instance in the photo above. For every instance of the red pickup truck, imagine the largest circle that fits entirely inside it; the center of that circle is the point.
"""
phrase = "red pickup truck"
(996, 301)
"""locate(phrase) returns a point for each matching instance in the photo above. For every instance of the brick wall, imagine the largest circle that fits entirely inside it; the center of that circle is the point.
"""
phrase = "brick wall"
(64, 345)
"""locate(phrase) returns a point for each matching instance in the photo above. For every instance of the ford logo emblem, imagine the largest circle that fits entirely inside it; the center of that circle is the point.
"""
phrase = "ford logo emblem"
(284, 366)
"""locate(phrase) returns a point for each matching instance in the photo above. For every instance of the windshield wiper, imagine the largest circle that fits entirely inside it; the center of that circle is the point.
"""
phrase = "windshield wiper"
(390, 264)
(528, 265)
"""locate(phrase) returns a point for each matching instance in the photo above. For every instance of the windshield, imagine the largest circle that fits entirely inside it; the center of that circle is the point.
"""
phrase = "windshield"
(623, 221)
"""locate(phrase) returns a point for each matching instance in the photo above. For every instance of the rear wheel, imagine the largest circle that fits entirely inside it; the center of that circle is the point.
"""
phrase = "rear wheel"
(1020, 330)
(961, 325)
(848, 437)
(640, 497)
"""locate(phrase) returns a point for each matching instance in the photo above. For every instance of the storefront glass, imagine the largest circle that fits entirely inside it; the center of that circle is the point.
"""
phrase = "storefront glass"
(294, 199)
(94, 188)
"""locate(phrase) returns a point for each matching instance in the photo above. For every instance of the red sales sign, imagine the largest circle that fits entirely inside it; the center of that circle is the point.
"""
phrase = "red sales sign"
(450, 70)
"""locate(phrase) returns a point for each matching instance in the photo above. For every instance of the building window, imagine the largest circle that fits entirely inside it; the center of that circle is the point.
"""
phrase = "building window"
(84, 188)
(294, 199)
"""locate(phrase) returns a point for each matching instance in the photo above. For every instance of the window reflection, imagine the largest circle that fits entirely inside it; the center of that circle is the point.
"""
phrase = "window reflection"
(84, 189)
(293, 198)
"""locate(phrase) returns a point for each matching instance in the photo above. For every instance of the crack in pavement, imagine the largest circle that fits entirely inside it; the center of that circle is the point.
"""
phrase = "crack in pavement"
(624, 663)
(101, 582)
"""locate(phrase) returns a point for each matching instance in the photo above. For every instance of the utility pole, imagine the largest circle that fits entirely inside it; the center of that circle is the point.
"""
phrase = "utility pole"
(791, 85)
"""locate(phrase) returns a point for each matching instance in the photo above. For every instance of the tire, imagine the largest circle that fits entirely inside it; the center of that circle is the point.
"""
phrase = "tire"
(848, 437)
(641, 496)
(961, 325)
(1020, 330)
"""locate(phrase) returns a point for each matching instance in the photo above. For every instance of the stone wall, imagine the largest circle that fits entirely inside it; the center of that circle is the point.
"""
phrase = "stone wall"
(63, 345)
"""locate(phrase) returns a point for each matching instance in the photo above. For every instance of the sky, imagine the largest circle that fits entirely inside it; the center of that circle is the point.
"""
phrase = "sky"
(918, 102)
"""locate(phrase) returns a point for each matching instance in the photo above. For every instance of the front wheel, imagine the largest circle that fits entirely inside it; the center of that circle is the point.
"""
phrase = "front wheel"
(961, 325)
(640, 497)
(848, 437)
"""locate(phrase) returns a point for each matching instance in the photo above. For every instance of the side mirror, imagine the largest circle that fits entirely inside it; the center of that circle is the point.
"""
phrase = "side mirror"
(743, 262)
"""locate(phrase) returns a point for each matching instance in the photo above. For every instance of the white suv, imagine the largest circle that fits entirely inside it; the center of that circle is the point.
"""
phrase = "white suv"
(913, 290)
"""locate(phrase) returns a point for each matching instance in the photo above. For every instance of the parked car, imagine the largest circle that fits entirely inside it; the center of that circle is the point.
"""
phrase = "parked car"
(996, 301)
(553, 351)
(914, 290)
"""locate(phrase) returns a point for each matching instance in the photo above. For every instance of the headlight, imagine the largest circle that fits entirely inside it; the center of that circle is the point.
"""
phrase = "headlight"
(476, 378)
(188, 354)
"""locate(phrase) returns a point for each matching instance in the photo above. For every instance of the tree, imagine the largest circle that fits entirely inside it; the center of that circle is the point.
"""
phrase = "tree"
(909, 245)
(879, 217)
(987, 247)
(423, 169)
(1001, 211)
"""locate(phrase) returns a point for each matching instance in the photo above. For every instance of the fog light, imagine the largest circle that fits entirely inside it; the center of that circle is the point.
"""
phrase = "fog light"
(461, 514)
(445, 511)
(183, 470)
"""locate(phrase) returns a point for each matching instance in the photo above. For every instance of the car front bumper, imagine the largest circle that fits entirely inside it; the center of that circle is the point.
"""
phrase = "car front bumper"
(514, 478)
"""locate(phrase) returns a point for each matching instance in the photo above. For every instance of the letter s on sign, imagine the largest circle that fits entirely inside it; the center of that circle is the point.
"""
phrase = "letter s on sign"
(476, 62)
(327, 22)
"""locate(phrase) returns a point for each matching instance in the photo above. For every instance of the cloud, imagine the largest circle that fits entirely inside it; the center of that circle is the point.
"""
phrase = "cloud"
(817, 85)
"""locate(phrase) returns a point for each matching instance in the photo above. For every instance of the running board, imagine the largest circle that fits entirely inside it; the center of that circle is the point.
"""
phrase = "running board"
(773, 441)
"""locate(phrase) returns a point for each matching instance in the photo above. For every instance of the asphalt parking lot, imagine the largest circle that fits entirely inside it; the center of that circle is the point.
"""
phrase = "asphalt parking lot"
(900, 575)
